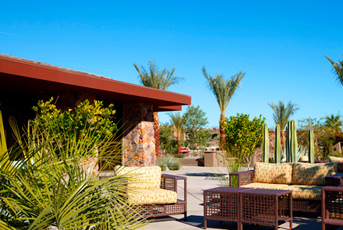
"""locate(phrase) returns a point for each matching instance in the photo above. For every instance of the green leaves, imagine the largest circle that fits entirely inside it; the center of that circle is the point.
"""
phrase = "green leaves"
(283, 112)
(154, 78)
(195, 122)
(243, 135)
(57, 183)
(338, 69)
(223, 89)
(3, 146)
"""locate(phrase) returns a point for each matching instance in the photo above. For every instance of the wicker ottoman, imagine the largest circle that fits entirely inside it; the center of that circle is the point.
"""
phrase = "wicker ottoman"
(265, 207)
(332, 206)
(221, 204)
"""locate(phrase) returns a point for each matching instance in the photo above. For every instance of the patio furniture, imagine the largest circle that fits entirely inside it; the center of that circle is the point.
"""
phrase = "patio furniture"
(155, 193)
(266, 207)
(305, 180)
(332, 206)
(222, 204)
(244, 205)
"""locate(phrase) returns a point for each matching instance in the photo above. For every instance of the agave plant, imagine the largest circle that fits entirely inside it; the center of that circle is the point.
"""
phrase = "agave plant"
(58, 186)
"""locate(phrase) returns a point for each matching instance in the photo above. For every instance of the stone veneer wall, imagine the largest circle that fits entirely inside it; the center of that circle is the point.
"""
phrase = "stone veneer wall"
(138, 138)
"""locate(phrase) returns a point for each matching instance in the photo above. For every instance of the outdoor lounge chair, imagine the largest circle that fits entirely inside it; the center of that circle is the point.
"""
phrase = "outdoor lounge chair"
(156, 193)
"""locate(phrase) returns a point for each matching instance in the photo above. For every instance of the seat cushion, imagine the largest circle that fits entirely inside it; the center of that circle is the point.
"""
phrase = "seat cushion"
(312, 174)
(336, 159)
(151, 196)
(267, 186)
(141, 177)
(307, 192)
(273, 173)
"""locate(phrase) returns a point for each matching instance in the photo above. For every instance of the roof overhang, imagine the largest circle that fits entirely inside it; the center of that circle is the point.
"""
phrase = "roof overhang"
(17, 74)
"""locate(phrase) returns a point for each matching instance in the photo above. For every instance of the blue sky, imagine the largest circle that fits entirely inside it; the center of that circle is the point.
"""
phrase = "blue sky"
(279, 44)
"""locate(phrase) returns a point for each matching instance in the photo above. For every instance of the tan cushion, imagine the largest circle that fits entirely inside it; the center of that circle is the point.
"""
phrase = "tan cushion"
(303, 158)
(312, 174)
(273, 173)
(267, 186)
(151, 196)
(336, 159)
(307, 192)
(141, 177)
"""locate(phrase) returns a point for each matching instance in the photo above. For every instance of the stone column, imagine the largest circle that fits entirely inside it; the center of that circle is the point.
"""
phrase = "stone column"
(138, 135)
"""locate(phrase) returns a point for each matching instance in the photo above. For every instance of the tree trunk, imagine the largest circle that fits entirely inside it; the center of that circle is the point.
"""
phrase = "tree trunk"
(157, 134)
(178, 142)
(283, 139)
(221, 130)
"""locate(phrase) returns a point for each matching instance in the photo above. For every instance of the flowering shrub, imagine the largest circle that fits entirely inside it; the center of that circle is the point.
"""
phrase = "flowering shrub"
(243, 135)
(71, 122)
(74, 123)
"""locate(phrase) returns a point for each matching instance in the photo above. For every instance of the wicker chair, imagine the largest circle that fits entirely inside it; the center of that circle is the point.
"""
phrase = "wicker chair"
(146, 181)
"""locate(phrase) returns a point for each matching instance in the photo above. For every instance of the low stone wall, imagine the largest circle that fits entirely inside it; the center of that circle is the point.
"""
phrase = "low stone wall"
(188, 161)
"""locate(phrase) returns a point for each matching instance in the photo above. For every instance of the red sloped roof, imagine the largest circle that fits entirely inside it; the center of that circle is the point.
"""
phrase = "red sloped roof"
(18, 74)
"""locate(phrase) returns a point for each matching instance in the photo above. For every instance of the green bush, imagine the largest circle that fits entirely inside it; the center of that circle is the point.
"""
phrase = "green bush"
(56, 183)
(168, 162)
(243, 135)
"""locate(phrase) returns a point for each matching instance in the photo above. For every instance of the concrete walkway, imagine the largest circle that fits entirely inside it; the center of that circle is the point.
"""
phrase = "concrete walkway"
(199, 179)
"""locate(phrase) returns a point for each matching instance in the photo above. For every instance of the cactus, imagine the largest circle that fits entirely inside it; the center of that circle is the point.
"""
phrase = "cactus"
(291, 142)
(294, 142)
(265, 149)
(287, 144)
(311, 146)
(277, 146)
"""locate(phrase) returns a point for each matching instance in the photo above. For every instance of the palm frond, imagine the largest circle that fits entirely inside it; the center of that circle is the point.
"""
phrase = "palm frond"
(338, 69)
(53, 187)
(222, 89)
(155, 78)
(283, 112)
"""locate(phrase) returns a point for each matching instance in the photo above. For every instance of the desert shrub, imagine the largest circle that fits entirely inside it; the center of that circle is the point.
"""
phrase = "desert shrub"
(168, 162)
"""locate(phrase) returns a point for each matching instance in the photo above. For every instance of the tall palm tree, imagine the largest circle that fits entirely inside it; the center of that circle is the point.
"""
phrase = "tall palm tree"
(223, 90)
(281, 116)
(334, 122)
(178, 122)
(338, 68)
(159, 80)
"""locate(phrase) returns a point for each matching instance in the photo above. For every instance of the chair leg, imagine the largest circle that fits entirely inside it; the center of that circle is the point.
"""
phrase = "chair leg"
(185, 216)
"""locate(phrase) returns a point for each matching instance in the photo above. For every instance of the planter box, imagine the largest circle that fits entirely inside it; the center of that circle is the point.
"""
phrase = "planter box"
(215, 159)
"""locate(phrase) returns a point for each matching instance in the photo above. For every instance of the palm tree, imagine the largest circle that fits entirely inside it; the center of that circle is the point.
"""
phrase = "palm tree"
(281, 116)
(178, 122)
(334, 122)
(223, 90)
(159, 80)
(338, 68)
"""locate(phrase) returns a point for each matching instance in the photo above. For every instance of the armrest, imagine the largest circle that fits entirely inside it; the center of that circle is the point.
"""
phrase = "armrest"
(335, 180)
(169, 182)
(244, 177)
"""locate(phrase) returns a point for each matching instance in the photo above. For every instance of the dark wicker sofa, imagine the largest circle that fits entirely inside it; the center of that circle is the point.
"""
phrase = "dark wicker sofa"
(301, 205)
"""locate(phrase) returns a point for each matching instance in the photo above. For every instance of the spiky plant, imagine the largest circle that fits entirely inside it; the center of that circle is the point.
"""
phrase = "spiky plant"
(282, 113)
(338, 69)
(223, 90)
(58, 186)
(178, 121)
(159, 80)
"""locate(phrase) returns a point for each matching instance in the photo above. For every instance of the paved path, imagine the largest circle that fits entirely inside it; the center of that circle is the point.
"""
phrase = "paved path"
(199, 179)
